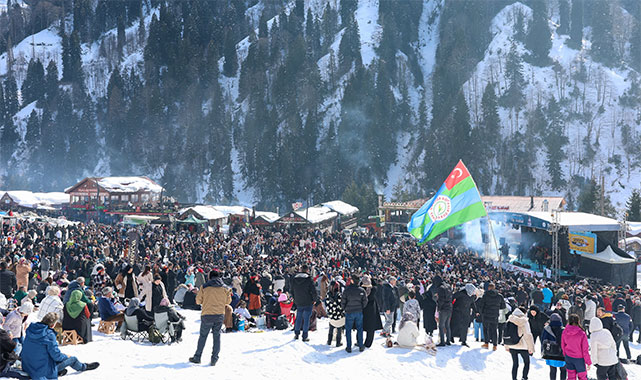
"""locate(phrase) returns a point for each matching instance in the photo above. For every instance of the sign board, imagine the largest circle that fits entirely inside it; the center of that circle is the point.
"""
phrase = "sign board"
(582, 242)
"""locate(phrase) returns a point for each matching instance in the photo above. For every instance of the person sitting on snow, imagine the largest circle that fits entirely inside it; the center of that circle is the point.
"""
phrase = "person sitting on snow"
(408, 332)
(41, 357)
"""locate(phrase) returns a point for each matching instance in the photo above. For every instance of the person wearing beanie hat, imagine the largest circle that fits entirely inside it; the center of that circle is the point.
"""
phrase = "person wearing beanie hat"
(524, 347)
(551, 348)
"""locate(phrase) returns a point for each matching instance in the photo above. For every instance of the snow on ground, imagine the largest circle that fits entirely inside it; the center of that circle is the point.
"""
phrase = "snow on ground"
(370, 31)
(275, 355)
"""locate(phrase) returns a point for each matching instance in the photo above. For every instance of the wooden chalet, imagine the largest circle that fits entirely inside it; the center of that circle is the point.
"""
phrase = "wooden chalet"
(111, 192)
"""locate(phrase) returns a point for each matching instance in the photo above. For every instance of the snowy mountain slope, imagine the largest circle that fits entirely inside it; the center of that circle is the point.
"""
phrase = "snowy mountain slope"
(603, 88)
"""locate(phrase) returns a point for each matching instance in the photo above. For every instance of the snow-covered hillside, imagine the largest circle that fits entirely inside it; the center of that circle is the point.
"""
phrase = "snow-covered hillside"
(602, 89)
(275, 355)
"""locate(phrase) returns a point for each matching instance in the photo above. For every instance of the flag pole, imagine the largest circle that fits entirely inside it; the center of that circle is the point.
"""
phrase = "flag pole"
(496, 246)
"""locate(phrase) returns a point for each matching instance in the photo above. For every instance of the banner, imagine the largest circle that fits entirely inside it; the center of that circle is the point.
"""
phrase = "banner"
(582, 242)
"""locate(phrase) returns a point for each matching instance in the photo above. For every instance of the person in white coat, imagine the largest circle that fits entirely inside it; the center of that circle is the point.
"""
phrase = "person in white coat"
(51, 303)
(603, 350)
(144, 280)
(408, 331)
(525, 346)
(590, 311)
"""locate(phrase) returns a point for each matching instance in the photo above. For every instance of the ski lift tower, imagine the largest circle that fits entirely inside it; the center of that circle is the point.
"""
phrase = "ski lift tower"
(555, 227)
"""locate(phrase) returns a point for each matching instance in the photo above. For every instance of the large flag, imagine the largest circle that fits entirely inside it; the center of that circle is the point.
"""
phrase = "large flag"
(456, 202)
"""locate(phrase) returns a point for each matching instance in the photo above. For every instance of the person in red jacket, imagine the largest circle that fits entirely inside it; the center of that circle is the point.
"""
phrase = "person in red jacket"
(574, 344)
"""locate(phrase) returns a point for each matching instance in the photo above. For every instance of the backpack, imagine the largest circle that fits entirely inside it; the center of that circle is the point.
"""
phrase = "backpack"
(511, 335)
(235, 318)
(281, 323)
(616, 330)
(155, 336)
(550, 348)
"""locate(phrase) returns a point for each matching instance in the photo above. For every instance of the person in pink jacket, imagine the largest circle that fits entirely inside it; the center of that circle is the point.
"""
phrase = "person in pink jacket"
(574, 344)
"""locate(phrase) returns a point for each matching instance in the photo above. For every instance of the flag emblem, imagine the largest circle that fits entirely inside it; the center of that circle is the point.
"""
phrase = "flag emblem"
(441, 208)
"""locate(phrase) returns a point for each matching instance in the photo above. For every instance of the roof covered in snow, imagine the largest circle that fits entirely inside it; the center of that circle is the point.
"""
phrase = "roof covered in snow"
(341, 207)
(122, 184)
(317, 214)
(270, 217)
(523, 204)
(232, 210)
(36, 200)
(634, 228)
(204, 212)
(579, 221)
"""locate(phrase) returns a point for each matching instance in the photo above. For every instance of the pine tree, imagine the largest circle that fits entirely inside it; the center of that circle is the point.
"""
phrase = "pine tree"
(3, 108)
(555, 141)
(603, 47)
(538, 38)
(33, 87)
(564, 17)
(8, 140)
(634, 206)
(491, 121)
(121, 38)
(82, 18)
(51, 81)
(635, 45)
(349, 50)
(588, 199)
(347, 9)
(71, 59)
(514, 97)
(230, 66)
(576, 26)
(32, 136)
(461, 127)
(12, 104)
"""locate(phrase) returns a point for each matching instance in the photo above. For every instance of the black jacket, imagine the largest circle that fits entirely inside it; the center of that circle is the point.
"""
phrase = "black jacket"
(8, 284)
(389, 297)
(303, 290)
(537, 323)
(371, 312)
(489, 306)
(537, 296)
(636, 314)
(429, 309)
(461, 313)
(354, 299)
(444, 298)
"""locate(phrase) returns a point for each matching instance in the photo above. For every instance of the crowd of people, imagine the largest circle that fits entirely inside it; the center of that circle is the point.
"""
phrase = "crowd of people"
(56, 279)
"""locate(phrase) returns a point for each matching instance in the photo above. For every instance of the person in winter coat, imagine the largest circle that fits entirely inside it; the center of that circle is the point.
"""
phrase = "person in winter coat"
(335, 312)
(525, 346)
(8, 282)
(574, 344)
(537, 297)
(412, 306)
(371, 312)
(602, 350)
(429, 311)
(489, 307)
(51, 303)
(390, 304)
(190, 277)
(237, 284)
(144, 318)
(305, 296)
(15, 321)
(174, 317)
(214, 297)
(42, 358)
(462, 312)
(126, 284)
(537, 319)
(551, 337)
(144, 286)
(22, 272)
(578, 308)
(179, 296)
(107, 309)
(157, 293)
(8, 357)
(199, 280)
(408, 331)
(443, 299)
(478, 320)
(353, 302)
(590, 311)
(636, 320)
(625, 321)
(76, 316)
(252, 295)
(548, 295)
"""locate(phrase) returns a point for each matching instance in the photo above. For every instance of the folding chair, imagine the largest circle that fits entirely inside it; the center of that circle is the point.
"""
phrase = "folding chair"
(131, 329)
(166, 328)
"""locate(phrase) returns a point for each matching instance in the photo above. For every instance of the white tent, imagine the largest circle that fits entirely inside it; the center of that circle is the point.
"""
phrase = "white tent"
(608, 256)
